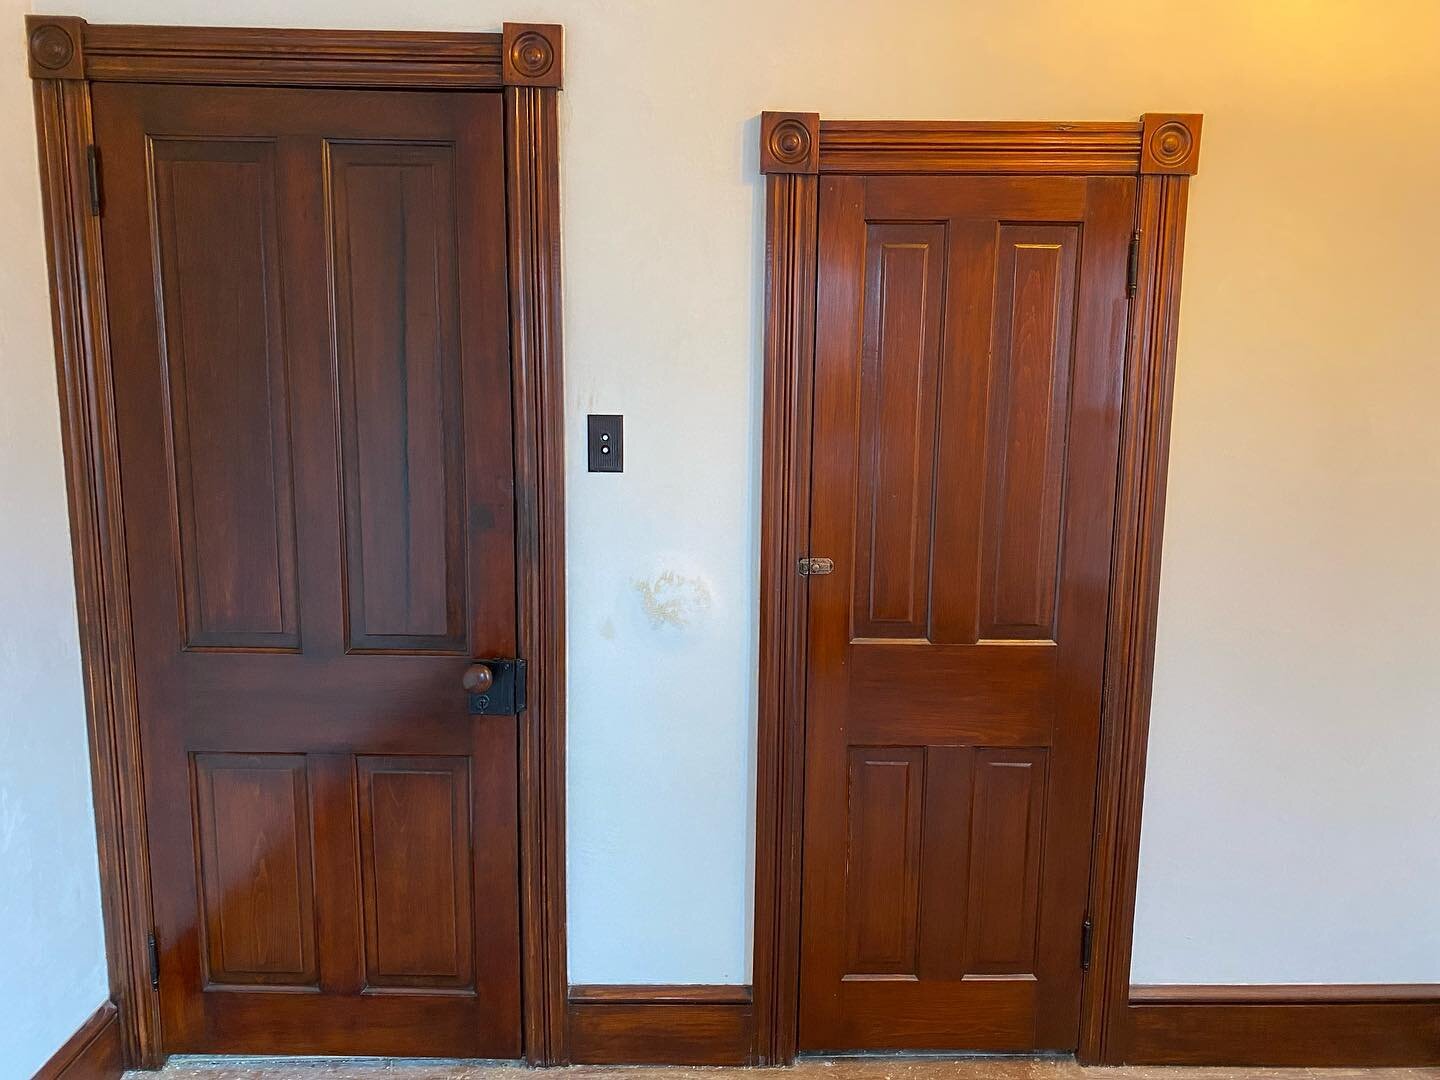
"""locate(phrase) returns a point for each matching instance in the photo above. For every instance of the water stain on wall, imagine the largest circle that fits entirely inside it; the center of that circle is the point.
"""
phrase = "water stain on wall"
(671, 599)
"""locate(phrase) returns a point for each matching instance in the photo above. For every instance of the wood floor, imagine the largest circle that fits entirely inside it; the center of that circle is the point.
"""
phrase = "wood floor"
(844, 1069)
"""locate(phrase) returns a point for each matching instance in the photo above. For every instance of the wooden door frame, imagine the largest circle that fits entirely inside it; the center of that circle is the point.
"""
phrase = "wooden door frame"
(67, 56)
(1161, 151)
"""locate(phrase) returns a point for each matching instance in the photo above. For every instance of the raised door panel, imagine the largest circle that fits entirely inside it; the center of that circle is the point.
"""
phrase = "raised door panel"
(1033, 326)
(899, 377)
(256, 869)
(886, 792)
(415, 855)
(226, 391)
(396, 303)
(1004, 876)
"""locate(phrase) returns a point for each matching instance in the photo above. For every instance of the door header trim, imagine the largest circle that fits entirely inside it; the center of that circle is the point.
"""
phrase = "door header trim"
(797, 143)
(68, 47)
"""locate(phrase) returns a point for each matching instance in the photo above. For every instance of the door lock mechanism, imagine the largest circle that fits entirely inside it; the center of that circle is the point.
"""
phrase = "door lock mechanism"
(814, 567)
(495, 687)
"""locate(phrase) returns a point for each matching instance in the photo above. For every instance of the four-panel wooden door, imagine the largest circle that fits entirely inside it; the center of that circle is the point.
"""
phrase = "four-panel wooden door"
(308, 324)
(969, 344)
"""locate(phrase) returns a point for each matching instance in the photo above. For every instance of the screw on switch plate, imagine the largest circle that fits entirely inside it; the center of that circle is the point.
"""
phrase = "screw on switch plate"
(606, 443)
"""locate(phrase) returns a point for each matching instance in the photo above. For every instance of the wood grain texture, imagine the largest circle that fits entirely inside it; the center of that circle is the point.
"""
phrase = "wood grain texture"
(533, 54)
(415, 848)
(1027, 428)
(64, 128)
(789, 143)
(973, 463)
(94, 1052)
(255, 56)
(649, 994)
(1284, 1026)
(56, 47)
(1134, 600)
(257, 869)
(1284, 993)
(661, 1025)
(532, 222)
(64, 77)
(397, 327)
(790, 272)
(279, 853)
(217, 234)
(872, 147)
(1170, 144)
(898, 428)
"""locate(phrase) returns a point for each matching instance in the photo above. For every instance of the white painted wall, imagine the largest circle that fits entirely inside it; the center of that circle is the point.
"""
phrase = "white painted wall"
(1293, 801)
(52, 956)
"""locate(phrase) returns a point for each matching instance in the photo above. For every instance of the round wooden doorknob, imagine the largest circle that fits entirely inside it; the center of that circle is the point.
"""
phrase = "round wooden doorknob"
(478, 678)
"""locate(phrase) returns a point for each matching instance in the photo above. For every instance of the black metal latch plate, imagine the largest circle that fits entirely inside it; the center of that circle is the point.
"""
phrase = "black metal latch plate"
(506, 696)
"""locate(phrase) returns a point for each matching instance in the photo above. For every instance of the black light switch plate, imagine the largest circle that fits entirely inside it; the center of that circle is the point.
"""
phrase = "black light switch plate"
(606, 442)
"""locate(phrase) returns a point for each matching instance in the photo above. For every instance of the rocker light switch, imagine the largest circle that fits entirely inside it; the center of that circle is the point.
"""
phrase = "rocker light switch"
(606, 442)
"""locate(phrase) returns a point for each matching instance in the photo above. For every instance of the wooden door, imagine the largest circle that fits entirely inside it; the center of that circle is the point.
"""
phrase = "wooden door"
(969, 343)
(307, 311)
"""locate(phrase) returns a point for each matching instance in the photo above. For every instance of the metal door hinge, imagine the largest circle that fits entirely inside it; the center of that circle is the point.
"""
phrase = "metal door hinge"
(1132, 267)
(154, 962)
(1087, 939)
(808, 567)
(92, 168)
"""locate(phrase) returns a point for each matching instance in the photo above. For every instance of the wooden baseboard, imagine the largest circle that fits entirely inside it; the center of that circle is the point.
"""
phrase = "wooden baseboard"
(661, 1025)
(92, 1053)
(1312, 1026)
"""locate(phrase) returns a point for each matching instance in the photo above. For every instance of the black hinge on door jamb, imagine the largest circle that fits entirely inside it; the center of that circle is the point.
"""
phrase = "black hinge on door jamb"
(1087, 938)
(154, 945)
(92, 167)
(1132, 267)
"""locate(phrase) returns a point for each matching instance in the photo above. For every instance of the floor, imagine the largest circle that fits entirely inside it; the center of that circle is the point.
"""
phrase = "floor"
(846, 1069)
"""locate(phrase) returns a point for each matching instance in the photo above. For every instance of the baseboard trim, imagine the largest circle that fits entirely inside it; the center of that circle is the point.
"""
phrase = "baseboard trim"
(92, 1053)
(1315, 1026)
(661, 1025)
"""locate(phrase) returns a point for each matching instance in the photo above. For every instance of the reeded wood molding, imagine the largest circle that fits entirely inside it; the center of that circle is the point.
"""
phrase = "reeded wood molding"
(1134, 606)
(533, 54)
(257, 56)
(869, 146)
(102, 591)
(791, 223)
(92, 1053)
(532, 179)
(1167, 143)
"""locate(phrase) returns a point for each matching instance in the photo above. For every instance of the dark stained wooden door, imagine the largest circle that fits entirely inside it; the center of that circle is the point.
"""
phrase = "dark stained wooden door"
(307, 311)
(969, 343)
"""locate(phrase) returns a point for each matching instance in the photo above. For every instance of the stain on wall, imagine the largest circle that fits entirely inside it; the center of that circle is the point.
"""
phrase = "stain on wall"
(672, 599)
